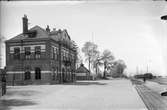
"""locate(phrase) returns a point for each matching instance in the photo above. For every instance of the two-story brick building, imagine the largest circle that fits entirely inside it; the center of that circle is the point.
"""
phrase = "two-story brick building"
(40, 55)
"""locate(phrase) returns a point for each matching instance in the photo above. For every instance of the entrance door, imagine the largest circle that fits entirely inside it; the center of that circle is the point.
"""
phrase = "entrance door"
(37, 73)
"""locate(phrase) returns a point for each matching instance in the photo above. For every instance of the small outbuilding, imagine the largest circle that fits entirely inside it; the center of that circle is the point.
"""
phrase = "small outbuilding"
(82, 73)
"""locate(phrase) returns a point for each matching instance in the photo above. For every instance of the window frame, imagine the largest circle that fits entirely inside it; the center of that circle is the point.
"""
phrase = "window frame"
(37, 52)
(27, 75)
(16, 55)
(27, 50)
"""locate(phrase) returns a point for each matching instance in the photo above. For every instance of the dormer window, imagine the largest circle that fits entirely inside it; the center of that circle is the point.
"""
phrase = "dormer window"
(32, 34)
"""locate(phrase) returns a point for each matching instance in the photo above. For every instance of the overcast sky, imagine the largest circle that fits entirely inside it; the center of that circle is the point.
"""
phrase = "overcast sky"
(133, 31)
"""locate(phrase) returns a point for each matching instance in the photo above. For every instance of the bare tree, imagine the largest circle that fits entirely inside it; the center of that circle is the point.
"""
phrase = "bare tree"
(91, 52)
(107, 57)
(119, 67)
(97, 63)
(2, 39)
(79, 58)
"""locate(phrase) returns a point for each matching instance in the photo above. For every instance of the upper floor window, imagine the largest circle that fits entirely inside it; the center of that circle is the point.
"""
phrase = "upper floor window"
(56, 56)
(17, 53)
(62, 55)
(52, 53)
(57, 53)
(37, 52)
(27, 52)
(57, 50)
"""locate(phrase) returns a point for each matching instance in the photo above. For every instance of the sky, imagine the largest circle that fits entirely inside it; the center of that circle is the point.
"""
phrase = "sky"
(132, 30)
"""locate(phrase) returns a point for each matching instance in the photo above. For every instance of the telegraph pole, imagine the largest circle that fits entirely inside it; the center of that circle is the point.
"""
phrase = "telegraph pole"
(137, 70)
(164, 17)
(0, 52)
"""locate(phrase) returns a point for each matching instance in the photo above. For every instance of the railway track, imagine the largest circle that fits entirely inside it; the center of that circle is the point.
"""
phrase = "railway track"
(152, 99)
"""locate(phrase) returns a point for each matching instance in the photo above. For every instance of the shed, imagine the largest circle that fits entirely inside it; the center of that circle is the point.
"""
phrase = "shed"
(82, 73)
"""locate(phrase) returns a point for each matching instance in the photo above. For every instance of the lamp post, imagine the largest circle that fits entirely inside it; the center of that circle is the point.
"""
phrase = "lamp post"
(164, 17)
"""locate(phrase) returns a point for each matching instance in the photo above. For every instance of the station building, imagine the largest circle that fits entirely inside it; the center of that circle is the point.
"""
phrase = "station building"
(38, 56)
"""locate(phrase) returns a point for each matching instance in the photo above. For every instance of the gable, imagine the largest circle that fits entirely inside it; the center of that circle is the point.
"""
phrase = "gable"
(82, 69)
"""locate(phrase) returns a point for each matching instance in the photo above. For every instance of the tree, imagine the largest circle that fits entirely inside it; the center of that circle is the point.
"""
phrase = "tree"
(2, 40)
(119, 67)
(79, 59)
(107, 57)
(91, 52)
(97, 63)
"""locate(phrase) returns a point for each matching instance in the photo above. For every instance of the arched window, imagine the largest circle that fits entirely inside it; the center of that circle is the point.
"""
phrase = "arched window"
(37, 73)
(27, 75)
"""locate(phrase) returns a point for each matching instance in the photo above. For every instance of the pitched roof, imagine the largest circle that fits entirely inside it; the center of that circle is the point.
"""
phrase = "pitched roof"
(40, 33)
(82, 69)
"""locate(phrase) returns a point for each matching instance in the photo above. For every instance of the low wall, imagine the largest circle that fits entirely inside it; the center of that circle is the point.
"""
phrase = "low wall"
(46, 78)
(85, 78)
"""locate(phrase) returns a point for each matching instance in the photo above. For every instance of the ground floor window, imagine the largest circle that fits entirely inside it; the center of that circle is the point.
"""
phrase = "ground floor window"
(63, 74)
(27, 75)
(53, 74)
(37, 73)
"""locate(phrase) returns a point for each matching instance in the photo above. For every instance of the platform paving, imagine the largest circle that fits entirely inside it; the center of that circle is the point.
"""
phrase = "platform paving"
(117, 94)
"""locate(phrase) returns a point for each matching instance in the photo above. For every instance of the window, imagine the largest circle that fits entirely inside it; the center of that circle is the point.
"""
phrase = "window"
(27, 75)
(27, 52)
(53, 73)
(52, 53)
(37, 52)
(17, 53)
(65, 56)
(62, 54)
(57, 50)
(57, 72)
(37, 73)
(57, 54)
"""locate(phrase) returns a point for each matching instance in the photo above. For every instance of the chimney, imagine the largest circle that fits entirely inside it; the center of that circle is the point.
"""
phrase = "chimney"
(47, 28)
(25, 24)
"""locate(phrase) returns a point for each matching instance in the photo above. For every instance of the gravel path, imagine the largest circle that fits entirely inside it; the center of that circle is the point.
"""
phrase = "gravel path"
(117, 94)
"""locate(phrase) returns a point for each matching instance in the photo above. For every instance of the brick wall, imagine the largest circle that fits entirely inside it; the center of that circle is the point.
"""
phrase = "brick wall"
(17, 68)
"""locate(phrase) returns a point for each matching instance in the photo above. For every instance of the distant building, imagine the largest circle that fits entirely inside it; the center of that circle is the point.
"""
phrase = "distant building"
(40, 55)
(82, 73)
